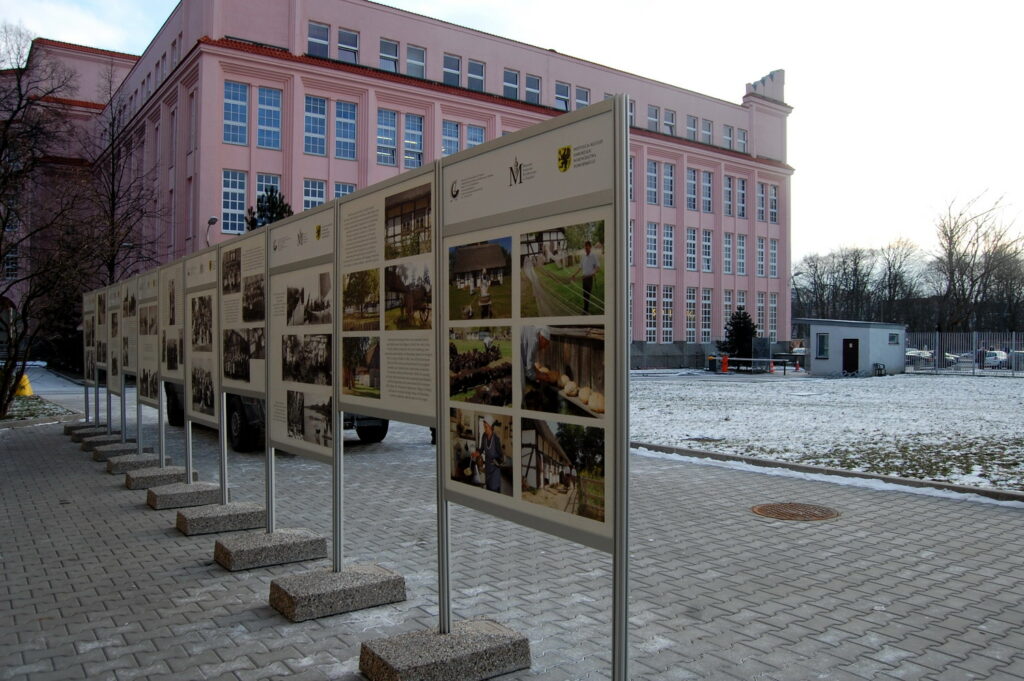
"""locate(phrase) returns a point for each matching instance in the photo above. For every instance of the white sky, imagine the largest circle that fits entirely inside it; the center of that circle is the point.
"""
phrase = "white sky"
(899, 107)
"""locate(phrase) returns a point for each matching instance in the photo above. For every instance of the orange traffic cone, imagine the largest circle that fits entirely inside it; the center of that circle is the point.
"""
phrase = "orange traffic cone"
(771, 366)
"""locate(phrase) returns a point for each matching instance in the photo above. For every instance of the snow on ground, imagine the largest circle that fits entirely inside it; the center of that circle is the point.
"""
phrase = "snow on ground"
(963, 429)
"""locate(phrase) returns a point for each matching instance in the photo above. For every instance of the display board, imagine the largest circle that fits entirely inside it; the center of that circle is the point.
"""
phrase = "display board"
(532, 239)
(243, 295)
(202, 356)
(101, 328)
(301, 329)
(115, 361)
(89, 338)
(148, 376)
(385, 285)
(171, 297)
(130, 326)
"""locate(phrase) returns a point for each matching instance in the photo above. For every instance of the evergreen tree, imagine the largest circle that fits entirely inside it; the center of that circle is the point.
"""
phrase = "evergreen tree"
(739, 334)
(270, 207)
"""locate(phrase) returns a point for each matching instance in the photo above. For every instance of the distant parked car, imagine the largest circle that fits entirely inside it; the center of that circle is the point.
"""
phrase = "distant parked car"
(994, 359)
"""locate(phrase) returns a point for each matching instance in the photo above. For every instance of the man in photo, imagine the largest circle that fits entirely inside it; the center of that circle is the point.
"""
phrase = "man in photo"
(535, 340)
(588, 268)
(490, 451)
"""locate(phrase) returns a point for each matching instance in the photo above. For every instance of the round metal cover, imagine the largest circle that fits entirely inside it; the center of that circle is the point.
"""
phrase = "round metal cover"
(793, 511)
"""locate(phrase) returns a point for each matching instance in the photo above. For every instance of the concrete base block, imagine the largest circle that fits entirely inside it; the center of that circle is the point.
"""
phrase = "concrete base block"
(82, 433)
(322, 593)
(260, 549)
(70, 428)
(474, 650)
(144, 478)
(218, 517)
(108, 452)
(90, 444)
(119, 465)
(181, 494)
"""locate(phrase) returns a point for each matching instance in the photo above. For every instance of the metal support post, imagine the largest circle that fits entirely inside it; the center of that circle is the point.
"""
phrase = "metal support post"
(271, 519)
(124, 410)
(138, 417)
(223, 448)
(87, 400)
(188, 450)
(110, 417)
(160, 434)
(338, 507)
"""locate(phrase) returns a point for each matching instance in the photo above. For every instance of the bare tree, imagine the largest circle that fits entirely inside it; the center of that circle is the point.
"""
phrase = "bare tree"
(898, 280)
(37, 188)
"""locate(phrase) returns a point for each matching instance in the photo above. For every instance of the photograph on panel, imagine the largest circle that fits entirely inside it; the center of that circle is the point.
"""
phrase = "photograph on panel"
(562, 271)
(124, 351)
(148, 384)
(101, 308)
(172, 307)
(309, 301)
(480, 365)
(202, 323)
(90, 331)
(407, 295)
(90, 363)
(113, 363)
(563, 467)
(231, 273)
(407, 223)
(202, 386)
(237, 353)
(361, 299)
(306, 358)
(114, 327)
(101, 352)
(309, 417)
(563, 369)
(480, 280)
(253, 298)
(148, 320)
(481, 453)
(360, 366)
(128, 303)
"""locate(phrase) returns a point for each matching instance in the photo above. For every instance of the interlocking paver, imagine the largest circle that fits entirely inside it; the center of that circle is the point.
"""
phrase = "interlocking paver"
(901, 586)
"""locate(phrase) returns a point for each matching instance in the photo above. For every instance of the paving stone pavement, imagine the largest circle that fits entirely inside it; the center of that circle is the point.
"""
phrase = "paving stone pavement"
(97, 585)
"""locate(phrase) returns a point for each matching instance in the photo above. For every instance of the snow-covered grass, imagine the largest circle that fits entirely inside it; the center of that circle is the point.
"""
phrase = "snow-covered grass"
(962, 429)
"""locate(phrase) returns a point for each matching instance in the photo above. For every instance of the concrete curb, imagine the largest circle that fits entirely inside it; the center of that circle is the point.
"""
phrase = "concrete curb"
(998, 494)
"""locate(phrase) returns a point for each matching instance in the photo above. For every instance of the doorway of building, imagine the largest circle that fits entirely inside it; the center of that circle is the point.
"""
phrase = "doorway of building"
(851, 355)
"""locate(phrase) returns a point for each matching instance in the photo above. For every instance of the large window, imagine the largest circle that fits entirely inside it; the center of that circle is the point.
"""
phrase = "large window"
(264, 181)
(233, 202)
(705, 315)
(773, 316)
(741, 197)
(773, 203)
(582, 97)
(343, 189)
(707, 131)
(668, 185)
(760, 314)
(388, 55)
(653, 117)
(741, 140)
(450, 138)
(760, 256)
(452, 72)
(691, 314)
(510, 84)
(727, 195)
(629, 178)
(667, 294)
(668, 246)
(268, 118)
(318, 40)
(314, 193)
(345, 130)
(475, 75)
(651, 316)
(314, 140)
(821, 346)
(348, 46)
(415, 61)
(760, 201)
(652, 244)
(727, 253)
(629, 241)
(533, 89)
(413, 141)
(562, 91)
(741, 254)
(236, 113)
(705, 251)
(726, 308)
(727, 136)
(773, 258)
(706, 183)
(387, 137)
(670, 122)
(691, 128)
(474, 135)
(691, 248)
(691, 189)
(652, 182)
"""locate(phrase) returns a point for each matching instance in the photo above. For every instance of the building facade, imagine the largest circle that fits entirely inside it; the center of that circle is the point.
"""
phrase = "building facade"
(321, 97)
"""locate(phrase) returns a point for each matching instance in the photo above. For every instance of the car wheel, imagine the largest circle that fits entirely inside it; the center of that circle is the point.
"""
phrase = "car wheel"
(371, 434)
(241, 436)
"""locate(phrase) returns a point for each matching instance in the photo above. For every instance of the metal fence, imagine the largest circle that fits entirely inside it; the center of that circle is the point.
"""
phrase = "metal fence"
(969, 352)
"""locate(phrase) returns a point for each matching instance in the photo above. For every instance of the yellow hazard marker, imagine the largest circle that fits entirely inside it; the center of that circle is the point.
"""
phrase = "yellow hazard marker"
(24, 387)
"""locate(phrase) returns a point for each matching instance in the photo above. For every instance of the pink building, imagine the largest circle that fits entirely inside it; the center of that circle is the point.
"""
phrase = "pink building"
(321, 97)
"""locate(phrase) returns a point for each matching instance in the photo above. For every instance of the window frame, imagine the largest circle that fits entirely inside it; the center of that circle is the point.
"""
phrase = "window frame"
(314, 126)
(413, 65)
(386, 151)
(233, 201)
(412, 140)
(345, 130)
(508, 86)
(389, 62)
(668, 246)
(651, 245)
(563, 95)
(236, 114)
(348, 52)
(324, 51)
(268, 119)
(476, 82)
(450, 73)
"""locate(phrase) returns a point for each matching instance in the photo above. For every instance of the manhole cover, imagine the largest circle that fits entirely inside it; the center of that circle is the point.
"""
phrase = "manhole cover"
(793, 511)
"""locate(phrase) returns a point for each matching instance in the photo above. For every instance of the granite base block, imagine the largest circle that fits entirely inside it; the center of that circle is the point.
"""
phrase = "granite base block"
(144, 478)
(322, 593)
(230, 517)
(119, 465)
(181, 494)
(71, 428)
(259, 549)
(95, 431)
(90, 444)
(474, 650)
(108, 452)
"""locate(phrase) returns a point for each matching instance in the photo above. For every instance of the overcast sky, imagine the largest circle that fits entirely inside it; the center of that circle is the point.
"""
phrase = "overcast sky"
(900, 107)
